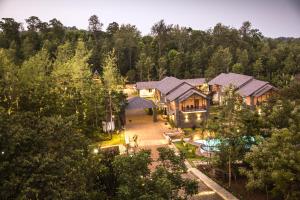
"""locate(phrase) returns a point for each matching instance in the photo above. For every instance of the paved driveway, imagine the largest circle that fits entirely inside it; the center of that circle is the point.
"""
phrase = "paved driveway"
(149, 133)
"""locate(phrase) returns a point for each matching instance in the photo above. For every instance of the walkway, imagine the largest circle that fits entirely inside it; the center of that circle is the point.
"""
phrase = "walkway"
(207, 181)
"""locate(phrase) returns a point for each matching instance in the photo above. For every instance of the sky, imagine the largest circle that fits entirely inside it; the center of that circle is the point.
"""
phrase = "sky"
(274, 18)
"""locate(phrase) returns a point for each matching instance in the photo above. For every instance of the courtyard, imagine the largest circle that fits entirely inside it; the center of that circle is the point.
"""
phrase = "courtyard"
(148, 133)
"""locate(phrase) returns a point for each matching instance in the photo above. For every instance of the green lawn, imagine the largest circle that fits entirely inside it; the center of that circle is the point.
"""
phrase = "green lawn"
(187, 150)
(116, 139)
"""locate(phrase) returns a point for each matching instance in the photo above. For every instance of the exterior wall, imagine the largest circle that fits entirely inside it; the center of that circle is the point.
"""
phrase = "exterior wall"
(147, 93)
(248, 101)
(172, 106)
(262, 98)
(188, 120)
(192, 117)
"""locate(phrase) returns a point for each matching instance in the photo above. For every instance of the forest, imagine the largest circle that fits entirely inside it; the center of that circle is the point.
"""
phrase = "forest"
(51, 109)
(168, 49)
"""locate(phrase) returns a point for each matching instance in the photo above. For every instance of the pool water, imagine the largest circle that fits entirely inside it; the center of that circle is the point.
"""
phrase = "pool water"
(209, 145)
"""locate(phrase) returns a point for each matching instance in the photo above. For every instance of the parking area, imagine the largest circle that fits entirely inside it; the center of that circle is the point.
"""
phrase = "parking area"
(149, 133)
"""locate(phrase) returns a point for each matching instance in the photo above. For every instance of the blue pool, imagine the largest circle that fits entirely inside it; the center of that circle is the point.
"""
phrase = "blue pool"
(209, 145)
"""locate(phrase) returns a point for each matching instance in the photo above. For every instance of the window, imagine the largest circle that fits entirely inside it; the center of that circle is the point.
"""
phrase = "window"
(150, 90)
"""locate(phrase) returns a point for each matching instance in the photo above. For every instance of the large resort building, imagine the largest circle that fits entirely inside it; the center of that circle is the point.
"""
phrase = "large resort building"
(252, 91)
(186, 101)
(181, 100)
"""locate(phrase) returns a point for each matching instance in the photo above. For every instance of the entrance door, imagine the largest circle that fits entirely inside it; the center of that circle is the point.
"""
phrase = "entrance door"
(196, 103)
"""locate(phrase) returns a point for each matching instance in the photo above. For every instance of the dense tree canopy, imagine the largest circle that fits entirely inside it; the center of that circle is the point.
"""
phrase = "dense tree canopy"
(168, 50)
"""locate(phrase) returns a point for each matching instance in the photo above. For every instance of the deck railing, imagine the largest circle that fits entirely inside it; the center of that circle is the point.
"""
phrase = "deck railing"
(193, 109)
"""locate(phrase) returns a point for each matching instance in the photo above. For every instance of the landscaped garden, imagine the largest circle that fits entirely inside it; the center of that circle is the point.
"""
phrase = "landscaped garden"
(189, 151)
(117, 138)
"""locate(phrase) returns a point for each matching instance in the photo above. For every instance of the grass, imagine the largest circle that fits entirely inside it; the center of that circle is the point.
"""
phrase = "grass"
(116, 140)
(187, 150)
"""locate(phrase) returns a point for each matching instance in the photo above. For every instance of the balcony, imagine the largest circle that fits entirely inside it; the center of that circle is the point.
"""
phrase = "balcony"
(192, 109)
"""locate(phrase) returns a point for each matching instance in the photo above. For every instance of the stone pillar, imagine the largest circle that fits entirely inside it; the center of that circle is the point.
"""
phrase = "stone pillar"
(177, 115)
(154, 114)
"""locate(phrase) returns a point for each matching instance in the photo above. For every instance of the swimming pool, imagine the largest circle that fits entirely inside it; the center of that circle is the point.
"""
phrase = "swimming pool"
(209, 145)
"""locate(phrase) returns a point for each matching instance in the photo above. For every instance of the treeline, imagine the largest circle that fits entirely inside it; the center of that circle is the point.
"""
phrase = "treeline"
(168, 50)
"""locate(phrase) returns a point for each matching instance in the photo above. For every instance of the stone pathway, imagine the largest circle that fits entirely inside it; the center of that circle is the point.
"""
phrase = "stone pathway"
(207, 181)
(204, 192)
(213, 185)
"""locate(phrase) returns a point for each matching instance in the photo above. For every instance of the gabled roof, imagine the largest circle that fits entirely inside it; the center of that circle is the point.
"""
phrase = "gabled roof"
(263, 90)
(146, 85)
(139, 103)
(167, 84)
(180, 90)
(237, 80)
(195, 81)
(190, 93)
(251, 87)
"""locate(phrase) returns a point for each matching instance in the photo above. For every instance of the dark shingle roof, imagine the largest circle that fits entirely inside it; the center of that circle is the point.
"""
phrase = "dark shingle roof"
(178, 91)
(246, 85)
(167, 84)
(251, 87)
(195, 81)
(190, 93)
(237, 80)
(146, 85)
(139, 103)
(263, 90)
(172, 87)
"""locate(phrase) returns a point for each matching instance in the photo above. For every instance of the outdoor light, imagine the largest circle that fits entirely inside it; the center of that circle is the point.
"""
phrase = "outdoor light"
(95, 151)
(259, 111)
(198, 117)
(2, 152)
(186, 118)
